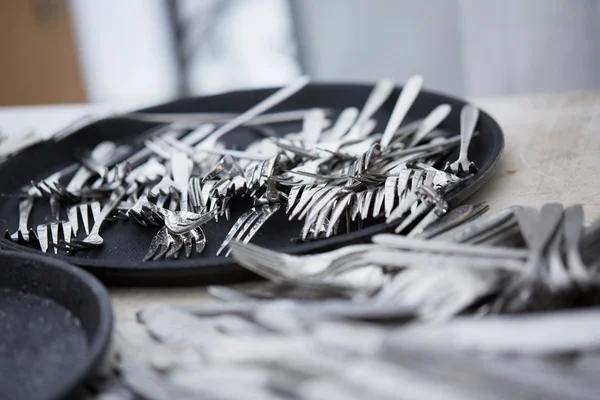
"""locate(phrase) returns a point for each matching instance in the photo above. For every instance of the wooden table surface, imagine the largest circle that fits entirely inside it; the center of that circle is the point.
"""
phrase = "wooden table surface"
(552, 153)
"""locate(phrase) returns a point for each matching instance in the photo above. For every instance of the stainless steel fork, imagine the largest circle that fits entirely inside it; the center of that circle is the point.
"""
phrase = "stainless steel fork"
(468, 120)
(438, 294)
(21, 235)
(168, 245)
(248, 224)
(56, 227)
(276, 265)
(94, 239)
(538, 229)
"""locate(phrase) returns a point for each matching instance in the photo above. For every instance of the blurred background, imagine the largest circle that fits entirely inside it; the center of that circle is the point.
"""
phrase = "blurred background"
(150, 51)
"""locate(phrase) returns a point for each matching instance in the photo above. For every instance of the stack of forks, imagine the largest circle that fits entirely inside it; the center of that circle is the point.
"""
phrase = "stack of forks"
(280, 351)
(327, 175)
(448, 267)
(478, 306)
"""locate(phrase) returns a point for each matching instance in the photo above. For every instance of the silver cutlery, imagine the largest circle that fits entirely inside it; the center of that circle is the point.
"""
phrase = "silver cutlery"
(468, 121)
(21, 235)
(94, 239)
(407, 96)
(323, 176)
(430, 122)
(248, 224)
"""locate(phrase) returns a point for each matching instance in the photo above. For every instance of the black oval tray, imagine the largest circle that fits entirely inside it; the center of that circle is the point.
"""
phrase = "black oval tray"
(118, 261)
(55, 325)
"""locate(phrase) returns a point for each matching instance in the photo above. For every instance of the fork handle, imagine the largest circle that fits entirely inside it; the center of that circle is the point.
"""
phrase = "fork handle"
(344, 122)
(181, 175)
(261, 107)
(111, 205)
(312, 127)
(409, 93)
(430, 123)
(468, 120)
(377, 97)
(25, 207)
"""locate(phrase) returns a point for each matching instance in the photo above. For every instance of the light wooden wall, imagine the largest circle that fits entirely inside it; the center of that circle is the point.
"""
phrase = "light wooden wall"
(38, 59)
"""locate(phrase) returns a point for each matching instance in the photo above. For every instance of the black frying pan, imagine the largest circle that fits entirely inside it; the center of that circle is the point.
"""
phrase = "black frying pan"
(55, 325)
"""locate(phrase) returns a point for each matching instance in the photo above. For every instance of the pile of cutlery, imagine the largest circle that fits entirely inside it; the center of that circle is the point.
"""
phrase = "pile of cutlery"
(462, 311)
(332, 176)
(467, 258)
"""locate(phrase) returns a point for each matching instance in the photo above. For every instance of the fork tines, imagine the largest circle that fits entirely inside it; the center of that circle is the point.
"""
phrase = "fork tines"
(83, 211)
(168, 245)
(259, 260)
(56, 230)
(248, 224)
